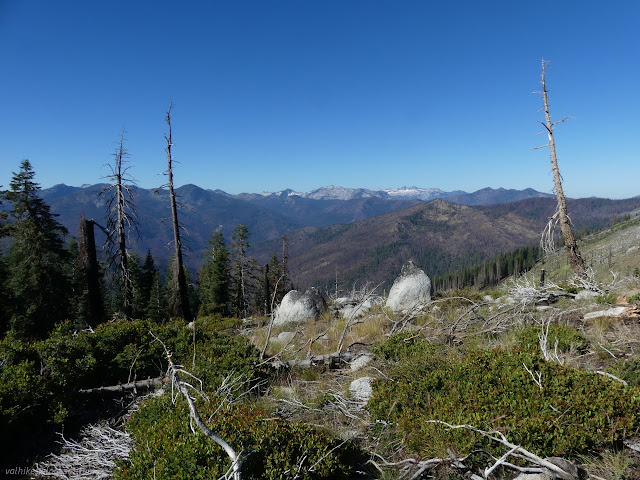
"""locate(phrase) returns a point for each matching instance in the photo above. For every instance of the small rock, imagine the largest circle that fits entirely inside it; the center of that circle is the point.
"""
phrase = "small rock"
(361, 362)
(283, 337)
(361, 389)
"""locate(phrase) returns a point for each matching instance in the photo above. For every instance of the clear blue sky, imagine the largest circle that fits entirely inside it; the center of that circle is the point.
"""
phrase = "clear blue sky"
(299, 94)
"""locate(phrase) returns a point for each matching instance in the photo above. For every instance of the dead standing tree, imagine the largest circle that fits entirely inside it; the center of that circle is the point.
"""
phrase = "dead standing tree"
(561, 216)
(121, 218)
(182, 280)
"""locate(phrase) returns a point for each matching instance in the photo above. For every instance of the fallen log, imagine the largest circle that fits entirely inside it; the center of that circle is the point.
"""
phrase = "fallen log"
(125, 387)
(331, 360)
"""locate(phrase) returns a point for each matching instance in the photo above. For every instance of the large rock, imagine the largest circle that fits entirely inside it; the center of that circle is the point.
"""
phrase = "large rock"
(298, 307)
(411, 289)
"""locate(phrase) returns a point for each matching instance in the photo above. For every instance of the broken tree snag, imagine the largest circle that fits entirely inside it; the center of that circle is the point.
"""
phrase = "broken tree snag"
(575, 259)
(91, 302)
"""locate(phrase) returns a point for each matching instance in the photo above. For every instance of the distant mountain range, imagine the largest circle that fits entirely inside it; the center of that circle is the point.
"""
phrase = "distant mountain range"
(486, 196)
(355, 231)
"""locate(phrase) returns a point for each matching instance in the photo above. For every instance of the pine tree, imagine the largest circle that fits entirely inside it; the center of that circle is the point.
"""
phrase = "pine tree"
(4, 297)
(144, 284)
(156, 310)
(242, 275)
(37, 259)
(215, 279)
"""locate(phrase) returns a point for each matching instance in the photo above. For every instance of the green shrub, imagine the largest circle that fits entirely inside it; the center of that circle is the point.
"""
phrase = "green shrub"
(627, 370)
(166, 447)
(38, 381)
(566, 338)
(607, 298)
(406, 345)
(634, 298)
(491, 390)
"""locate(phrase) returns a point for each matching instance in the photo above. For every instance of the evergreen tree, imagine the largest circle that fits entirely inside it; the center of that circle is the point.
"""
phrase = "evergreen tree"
(242, 275)
(4, 297)
(156, 310)
(270, 288)
(144, 284)
(215, 279)
(135, 274)
(38, 260)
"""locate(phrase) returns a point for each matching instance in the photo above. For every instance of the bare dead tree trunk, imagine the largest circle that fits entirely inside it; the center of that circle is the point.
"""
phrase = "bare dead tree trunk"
(121, 218)
(573, 253)
(92, 304)
(182, 281)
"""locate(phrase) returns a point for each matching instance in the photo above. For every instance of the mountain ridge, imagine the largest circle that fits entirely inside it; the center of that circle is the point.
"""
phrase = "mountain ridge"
(310, 223)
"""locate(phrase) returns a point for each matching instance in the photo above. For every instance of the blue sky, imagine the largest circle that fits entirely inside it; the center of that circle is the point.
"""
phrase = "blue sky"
(299, 94)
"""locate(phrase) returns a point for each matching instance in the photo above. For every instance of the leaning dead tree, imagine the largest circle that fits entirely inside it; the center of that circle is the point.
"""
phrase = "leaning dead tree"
(121, 219)
(561, 216)
(180, 275)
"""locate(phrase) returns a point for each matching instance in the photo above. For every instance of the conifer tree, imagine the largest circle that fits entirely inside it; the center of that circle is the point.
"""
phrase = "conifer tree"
(214, 290)
(242, 275)
(4, 297)
(38, 259)
(145, 283)
(156, 310)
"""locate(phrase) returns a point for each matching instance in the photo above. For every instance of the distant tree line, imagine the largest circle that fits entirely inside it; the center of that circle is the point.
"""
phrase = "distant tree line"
(490, 272)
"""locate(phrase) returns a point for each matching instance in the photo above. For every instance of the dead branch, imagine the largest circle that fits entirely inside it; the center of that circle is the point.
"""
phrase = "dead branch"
(514, 450)
(92, 457)
(185, 389)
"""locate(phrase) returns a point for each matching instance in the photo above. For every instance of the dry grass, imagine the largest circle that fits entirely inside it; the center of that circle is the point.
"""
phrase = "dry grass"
(611, 465)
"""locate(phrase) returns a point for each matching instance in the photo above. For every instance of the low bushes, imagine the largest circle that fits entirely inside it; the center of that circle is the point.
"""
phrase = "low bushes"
(570, 412)
(39, 381)
(565, 337)
(167, 448)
